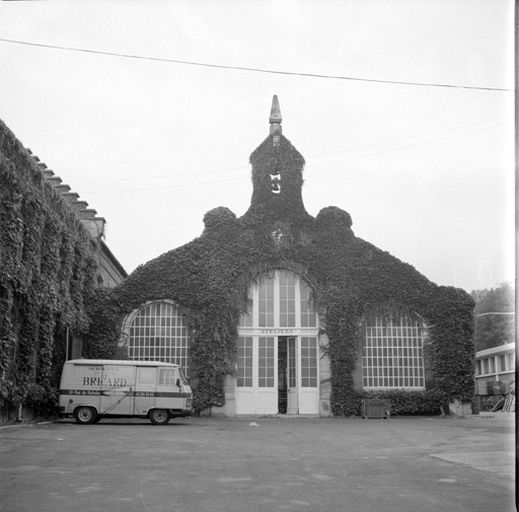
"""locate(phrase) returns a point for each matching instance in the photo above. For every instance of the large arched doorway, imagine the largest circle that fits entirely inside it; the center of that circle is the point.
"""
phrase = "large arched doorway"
(277, 368)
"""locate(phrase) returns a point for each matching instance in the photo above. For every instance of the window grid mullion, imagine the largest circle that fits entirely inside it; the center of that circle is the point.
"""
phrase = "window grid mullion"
(393, 353)
(158, 332)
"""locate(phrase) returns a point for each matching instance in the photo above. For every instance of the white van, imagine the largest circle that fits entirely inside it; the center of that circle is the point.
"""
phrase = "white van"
(91, 389)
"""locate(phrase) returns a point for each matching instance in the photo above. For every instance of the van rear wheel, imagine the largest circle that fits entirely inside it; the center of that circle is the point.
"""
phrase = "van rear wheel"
(85, 415)
(159, 416)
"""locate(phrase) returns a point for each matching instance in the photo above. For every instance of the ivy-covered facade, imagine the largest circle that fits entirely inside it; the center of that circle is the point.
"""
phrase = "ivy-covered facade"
(280, 312)
(53, 262)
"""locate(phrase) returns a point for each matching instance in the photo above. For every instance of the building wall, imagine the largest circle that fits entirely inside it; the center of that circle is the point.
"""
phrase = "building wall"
(49, 241)
(229, 408)
(110, 272)
(325, 384)
(495, 365)
(208, 278)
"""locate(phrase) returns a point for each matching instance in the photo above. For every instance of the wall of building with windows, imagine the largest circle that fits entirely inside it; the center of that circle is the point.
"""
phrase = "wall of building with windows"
(496, 364)
(282, 308)
(281, 349)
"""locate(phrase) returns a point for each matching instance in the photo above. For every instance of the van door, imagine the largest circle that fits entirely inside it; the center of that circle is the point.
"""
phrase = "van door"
(117, 389)
(145, 390)
(168, 389)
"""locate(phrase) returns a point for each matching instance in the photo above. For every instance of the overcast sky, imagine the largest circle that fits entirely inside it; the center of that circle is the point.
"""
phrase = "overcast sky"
(427, 173)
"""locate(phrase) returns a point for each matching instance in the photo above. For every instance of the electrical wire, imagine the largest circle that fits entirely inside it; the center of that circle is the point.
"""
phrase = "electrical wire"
(242, 178)
(391, 150)
(309, 165)
(255, 70)
(392, 141)
(168, 187)
(161, 176)
(310, 158)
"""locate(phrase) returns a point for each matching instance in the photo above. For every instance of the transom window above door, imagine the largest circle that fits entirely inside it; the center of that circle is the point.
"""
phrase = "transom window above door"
(280, 299)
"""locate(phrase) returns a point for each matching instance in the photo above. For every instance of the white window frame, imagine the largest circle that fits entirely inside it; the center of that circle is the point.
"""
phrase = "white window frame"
(244, 362)
(393, 352)
(173, 337)
(250, 320)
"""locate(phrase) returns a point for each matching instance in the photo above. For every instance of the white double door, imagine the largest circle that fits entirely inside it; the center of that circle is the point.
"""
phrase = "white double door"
(277, 375)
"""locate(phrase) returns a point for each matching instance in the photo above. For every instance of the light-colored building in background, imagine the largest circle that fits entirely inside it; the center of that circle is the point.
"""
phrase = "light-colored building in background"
(495, 370)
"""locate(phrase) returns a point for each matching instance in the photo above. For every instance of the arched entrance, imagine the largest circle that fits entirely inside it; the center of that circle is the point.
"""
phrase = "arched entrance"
(278, 349)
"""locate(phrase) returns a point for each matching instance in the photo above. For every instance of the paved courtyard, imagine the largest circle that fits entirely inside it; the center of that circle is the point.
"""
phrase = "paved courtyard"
(260, 464)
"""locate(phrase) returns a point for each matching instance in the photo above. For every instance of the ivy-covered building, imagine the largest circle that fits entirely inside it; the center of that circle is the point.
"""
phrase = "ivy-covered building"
(280, 312)
(53, 263)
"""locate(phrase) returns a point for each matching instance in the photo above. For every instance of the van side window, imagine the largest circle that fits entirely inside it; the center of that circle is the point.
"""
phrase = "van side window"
(166, 376)
(146, 375)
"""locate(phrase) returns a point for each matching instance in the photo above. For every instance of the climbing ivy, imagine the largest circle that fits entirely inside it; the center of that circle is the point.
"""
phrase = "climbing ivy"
(208, 279)
(47, 269)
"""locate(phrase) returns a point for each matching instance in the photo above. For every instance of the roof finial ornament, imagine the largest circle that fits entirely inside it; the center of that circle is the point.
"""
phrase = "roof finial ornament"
(275, 116)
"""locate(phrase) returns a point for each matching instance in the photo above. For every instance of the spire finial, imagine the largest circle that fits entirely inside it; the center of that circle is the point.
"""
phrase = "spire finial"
(275, 116)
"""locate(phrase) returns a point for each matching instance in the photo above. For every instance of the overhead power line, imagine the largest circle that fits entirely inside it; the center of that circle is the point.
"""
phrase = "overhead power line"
(169, 187)
(418, 136)
(309, 165)
(311, 158)
(255, 70)
(399, 148)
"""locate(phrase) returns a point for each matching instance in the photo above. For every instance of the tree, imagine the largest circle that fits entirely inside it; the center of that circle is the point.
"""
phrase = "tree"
(494, 316)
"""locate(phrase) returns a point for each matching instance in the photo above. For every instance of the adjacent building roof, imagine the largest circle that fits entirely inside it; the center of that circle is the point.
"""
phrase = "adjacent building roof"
(111, 272)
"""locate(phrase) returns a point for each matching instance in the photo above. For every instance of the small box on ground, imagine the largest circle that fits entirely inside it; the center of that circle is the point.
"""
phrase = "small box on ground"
(376, 408)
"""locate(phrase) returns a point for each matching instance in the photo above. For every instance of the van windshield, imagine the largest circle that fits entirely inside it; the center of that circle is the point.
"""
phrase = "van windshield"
(183, 376)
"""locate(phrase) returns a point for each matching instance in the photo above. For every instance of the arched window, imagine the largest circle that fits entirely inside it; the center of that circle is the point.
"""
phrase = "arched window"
(281, 299)
(393, 352)
(158, 332)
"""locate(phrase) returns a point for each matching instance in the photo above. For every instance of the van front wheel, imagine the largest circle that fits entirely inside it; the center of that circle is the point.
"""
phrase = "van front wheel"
(85, 415)
(159, 416)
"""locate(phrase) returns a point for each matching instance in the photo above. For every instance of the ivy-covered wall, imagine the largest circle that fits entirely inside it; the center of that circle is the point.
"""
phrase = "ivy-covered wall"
(208, 278)
(47, 269)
